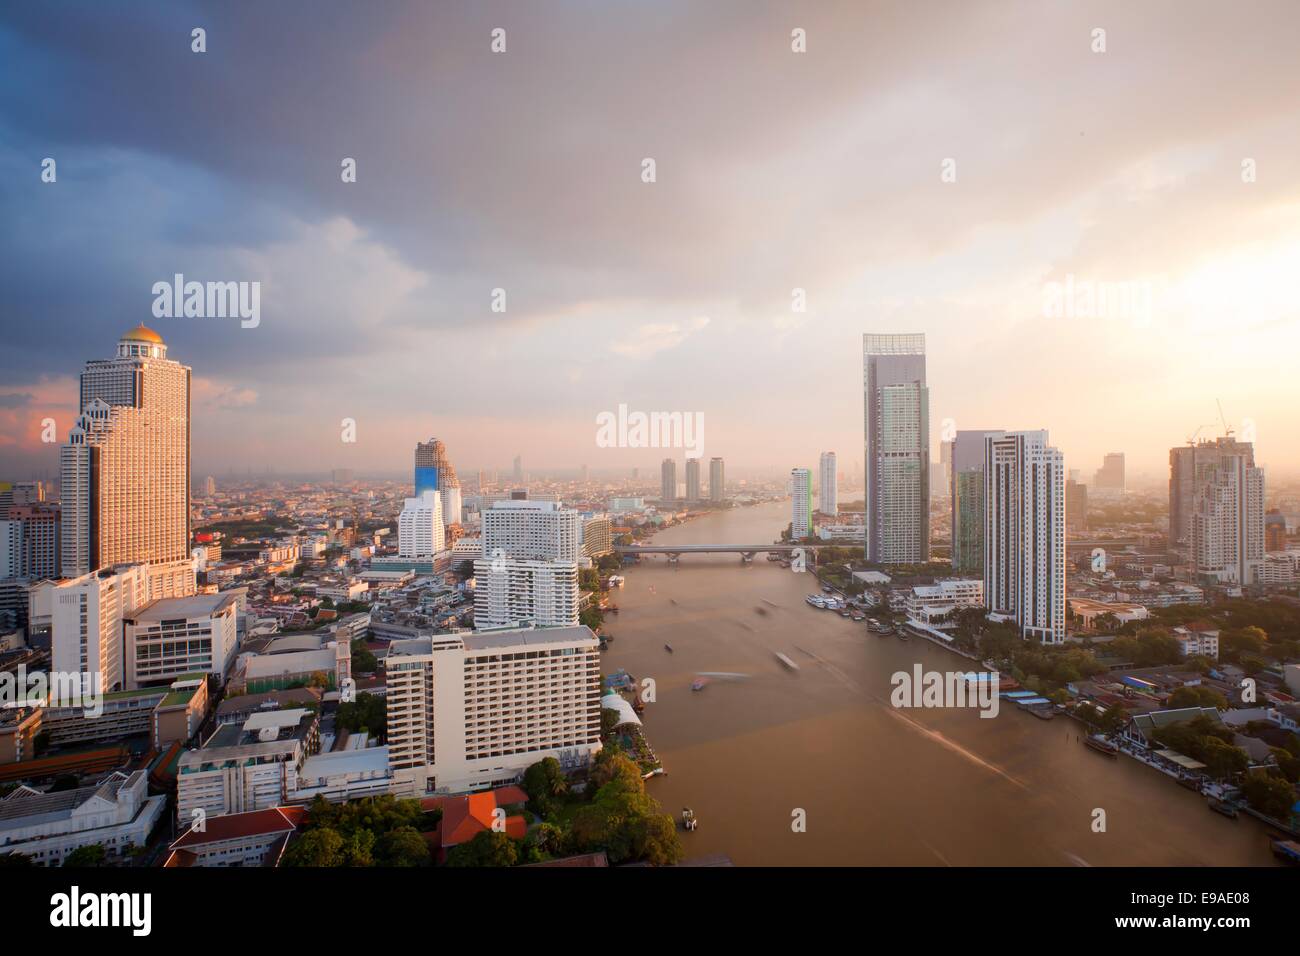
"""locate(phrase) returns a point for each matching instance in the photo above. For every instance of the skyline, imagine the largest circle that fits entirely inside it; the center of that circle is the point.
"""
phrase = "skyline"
(672, 295)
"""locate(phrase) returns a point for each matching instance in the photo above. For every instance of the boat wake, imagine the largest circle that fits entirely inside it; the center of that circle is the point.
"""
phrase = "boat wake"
(952, 745)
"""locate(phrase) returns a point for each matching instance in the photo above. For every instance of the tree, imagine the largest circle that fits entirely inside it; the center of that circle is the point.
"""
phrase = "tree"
(545, 783)
(404, 846)
(369, 712)
(320, 847)
(1221, 759)
(1197, 697)
(363, 659)
(16, 860)
(488, 848)
(592, 617)
(92, 854)
(1270, 795)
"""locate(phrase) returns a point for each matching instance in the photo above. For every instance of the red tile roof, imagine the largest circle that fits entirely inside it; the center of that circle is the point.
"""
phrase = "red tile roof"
(465, 817)
(232, 826)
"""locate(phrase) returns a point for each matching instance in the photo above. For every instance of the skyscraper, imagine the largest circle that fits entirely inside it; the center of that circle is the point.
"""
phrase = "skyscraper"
(434, 472)
(966, 480)
(828, 496)
(1216, 509)
(519, 470)
(125, 470)
(1076, 505)
(896, 413)
(668, 480)
(532, 530)
(692, 479)
(717, 479)
(801, 508)
(1110, 476)
(1024, 533)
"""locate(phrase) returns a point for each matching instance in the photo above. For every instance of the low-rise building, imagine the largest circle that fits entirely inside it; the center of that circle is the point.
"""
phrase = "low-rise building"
(255, 838)
(1198, 639)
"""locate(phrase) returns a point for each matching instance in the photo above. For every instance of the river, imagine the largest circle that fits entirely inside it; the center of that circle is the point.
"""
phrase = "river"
(876, 785)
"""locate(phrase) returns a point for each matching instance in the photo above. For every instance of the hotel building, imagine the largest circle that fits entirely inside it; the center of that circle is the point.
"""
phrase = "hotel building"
(473, 711)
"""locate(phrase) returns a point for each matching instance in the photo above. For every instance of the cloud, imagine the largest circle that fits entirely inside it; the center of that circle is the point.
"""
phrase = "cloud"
(653, 338)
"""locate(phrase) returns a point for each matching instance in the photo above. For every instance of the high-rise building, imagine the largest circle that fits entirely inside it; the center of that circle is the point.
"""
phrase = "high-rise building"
(420, 530)
(966, 479)
(668, 480)
(692, 479)
(470, 711)
(1216, 510)
(435, 472)
(1024, 533)
(1110, 476)
(519, 470)
(531, 530)
(1191, 467)
(1076, 506)
(125, 470)
(86, 623)
(597, 536)
(828, 499)
(510, 592)
(209, 486)
(896, 412)
(801, 508)
(1274, 531)
(717, 479)
(29, 542)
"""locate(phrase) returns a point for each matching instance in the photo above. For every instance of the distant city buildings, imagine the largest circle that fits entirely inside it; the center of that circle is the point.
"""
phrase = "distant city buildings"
(434, 472)
(828, 500)
(1076, 506)
(717, 479)
(29, 541)
(1110, 476)
(693, 479)
(896, 405)
(668, 480)
(801, 508)
(470, 711)
(1024, 533)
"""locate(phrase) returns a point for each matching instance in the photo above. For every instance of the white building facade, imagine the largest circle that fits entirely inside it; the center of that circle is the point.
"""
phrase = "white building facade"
(420, 530)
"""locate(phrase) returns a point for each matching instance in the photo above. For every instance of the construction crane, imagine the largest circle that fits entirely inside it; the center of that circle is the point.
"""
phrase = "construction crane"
(1227, 432)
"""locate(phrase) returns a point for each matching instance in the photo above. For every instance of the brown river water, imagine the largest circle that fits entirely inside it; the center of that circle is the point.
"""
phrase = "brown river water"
(877, 785)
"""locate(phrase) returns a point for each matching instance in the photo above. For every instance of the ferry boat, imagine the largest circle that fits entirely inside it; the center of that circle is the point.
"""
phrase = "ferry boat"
(689, 822)
(1101, 745)
(668, 648)
(787, 662)
(1287, 851)
(1223, 807)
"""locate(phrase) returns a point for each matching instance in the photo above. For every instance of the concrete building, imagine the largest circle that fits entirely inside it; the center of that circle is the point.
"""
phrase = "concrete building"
(896, 413)
(828, 497)
(1076, 506)
(925, 602)
(1198, 640)
(420, 531)
(510, 591)
(532, 530)
(172, 637)
(597, 536)
(116, 813)
(1216, 500)
(133, 433)
(249, 767)
(1024, 533)
(801, 508)
(1110, 476)
(29, 542)
(1191, 467)
(256, 838)
(470, 712)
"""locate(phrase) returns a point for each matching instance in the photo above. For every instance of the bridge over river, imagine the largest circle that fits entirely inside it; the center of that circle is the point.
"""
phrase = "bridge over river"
(746, 551)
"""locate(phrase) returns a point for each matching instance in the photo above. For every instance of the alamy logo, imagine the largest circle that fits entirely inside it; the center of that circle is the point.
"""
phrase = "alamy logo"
(54, 689)
(208, 300)
(951, 689)
(75, 908)
(626, 429)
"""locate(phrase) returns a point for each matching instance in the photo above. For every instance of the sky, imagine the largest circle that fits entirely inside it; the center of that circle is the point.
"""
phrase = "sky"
(979, 172)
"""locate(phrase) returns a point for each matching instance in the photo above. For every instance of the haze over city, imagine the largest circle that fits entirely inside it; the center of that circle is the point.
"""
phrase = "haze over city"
(824, 173)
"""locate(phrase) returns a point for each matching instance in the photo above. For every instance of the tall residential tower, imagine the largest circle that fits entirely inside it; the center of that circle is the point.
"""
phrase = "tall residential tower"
(896, 413)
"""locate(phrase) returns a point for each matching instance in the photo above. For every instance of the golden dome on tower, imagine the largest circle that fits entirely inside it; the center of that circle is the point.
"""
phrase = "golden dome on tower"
(142, 334)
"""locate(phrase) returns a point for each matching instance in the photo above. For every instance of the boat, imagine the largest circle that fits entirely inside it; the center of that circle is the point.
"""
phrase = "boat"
(1101, 745)
(826, 589)
(1286, 850)
(689, 822)
(699, 684)
(1223, 807)
(1191, 783)
(786, 661)
(668, 648)
(904, 636)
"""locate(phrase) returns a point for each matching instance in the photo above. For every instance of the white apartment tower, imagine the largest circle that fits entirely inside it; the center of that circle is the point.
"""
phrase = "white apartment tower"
(1024, 533)
(1227, 521)
(420, 532)
(471, 711)
(532, 530)
(125, 469)
(828, 501)
(668, 480)
(509, 592)
(896, 415)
